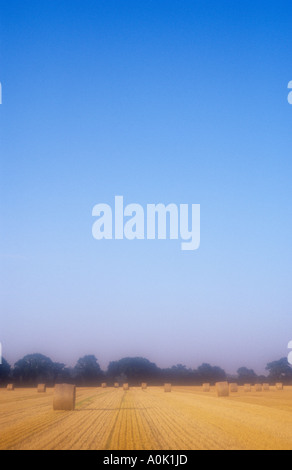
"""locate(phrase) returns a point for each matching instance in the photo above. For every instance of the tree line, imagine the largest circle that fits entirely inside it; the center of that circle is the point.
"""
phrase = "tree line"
(37, 368)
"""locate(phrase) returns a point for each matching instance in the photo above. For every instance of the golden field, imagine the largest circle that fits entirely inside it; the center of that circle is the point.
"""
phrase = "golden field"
(114, 419)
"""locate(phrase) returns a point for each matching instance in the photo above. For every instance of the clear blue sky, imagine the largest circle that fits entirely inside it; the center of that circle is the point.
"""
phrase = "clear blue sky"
(159, 101)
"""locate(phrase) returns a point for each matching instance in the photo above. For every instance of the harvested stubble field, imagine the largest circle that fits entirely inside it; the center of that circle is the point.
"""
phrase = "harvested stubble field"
(114, 419)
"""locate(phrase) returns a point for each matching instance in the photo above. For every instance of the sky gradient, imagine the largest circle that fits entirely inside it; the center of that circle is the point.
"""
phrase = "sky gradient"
(161, 102)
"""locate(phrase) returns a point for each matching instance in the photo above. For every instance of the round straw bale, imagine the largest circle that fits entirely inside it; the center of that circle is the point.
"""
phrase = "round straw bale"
(258, 388)
(126, 387)
(167, 388)
(266, 387)
(206, 388)
(64, 397)
(279, 386)
(233, 388)
(10, 387)
(42, 388)
(144, 386)
(247, 388)
(116, 385)
(103, 385)
(222, 389)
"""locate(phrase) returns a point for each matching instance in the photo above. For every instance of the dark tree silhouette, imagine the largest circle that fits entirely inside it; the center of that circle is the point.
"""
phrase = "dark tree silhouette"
(135, 369)
(246, 376)
(35, 368)
(280, 371)
(5, 370)
(88, 371)
(210, 374)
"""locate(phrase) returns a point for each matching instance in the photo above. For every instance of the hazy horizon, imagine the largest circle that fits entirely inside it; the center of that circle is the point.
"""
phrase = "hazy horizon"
(161, 102)
(164, 364)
